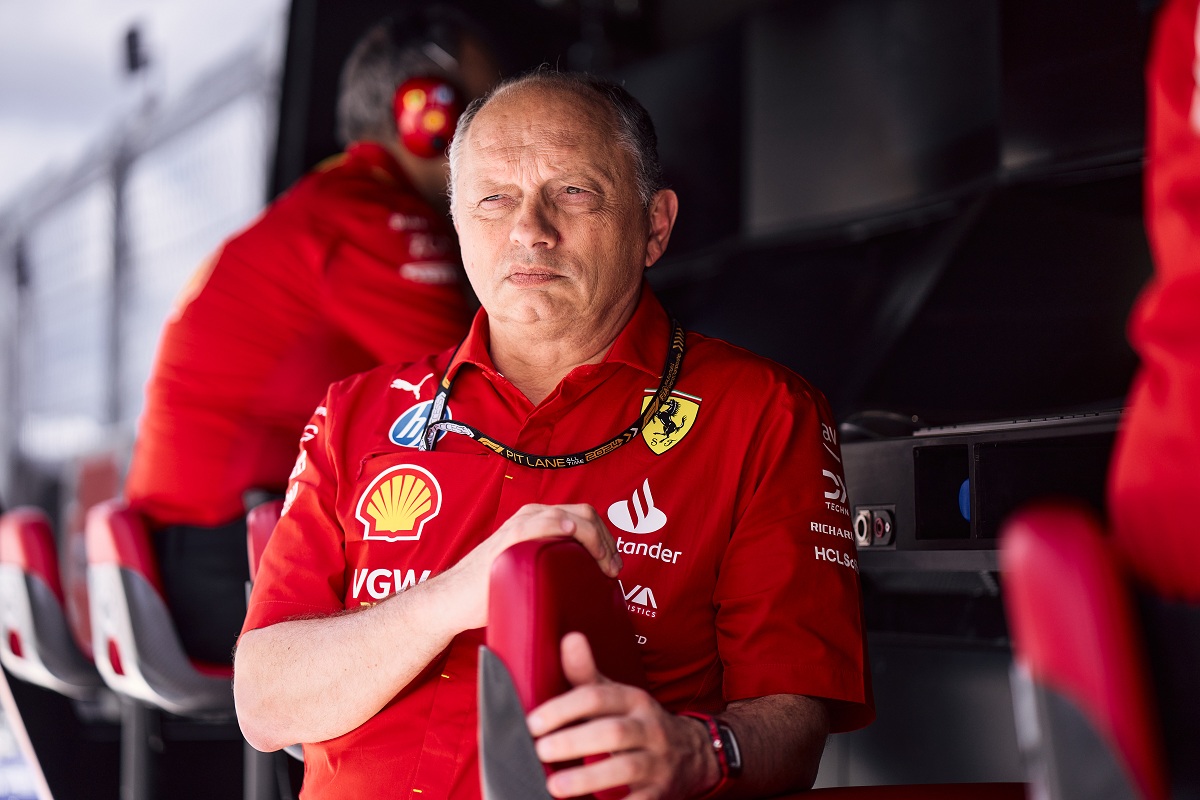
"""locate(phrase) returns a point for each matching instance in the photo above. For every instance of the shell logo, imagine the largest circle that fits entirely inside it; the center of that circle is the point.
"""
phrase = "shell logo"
(398, 503)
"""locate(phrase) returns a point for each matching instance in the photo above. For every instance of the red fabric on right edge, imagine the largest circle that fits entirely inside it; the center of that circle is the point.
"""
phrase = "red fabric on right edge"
(1156, 465)
(1073, 628)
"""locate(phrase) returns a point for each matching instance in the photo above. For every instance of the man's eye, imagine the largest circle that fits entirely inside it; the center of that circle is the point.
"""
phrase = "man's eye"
(574, 190)
(490, 198)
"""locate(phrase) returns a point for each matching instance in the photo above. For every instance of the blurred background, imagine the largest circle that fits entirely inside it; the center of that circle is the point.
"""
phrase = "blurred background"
(930, 208)
(65, 77)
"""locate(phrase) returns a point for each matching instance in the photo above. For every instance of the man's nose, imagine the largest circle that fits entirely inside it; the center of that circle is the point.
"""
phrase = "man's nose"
(532, 226)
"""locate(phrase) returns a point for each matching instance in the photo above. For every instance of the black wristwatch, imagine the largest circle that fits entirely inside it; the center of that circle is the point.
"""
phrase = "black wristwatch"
(733, 752)
(725, 747)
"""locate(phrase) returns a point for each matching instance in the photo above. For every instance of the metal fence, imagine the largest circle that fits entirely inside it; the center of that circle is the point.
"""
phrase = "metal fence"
(92, 259)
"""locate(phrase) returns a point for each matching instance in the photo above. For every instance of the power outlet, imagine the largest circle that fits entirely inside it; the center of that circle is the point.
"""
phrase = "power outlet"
(874, 526)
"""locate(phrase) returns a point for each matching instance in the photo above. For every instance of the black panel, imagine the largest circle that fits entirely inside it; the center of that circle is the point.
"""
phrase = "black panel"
(1029, 317)
(1072, 78)
(1172, 629)
(1026, 314)
(695, 98)
(944, 714)
(938, 472)
(860, 107)
(1012, 474)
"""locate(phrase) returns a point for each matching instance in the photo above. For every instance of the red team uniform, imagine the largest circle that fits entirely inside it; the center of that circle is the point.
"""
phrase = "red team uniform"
(1156, 466)
(730, 513)
(351, 268)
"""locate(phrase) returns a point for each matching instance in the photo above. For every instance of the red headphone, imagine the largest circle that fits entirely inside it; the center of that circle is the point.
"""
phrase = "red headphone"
(427, 111)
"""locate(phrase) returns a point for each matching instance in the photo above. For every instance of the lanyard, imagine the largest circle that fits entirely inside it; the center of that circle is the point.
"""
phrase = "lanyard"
(436, 424)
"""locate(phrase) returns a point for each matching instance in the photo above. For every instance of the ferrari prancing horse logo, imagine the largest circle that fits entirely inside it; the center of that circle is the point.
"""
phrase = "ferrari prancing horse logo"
(672, 422)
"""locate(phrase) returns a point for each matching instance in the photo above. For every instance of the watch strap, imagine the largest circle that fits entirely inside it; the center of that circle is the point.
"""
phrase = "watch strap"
(717, 742)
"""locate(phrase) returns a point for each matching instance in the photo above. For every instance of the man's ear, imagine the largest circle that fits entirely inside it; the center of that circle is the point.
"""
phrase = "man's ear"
(663, 209)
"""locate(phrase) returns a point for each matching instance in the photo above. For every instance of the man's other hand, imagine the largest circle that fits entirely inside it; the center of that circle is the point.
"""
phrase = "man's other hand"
(654, 752)
(468, 579)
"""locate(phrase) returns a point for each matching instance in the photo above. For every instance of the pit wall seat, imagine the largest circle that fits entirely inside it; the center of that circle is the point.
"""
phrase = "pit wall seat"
(1086, 712)
(136, 646)
(36, 644)
(260, 524)
(543, 589)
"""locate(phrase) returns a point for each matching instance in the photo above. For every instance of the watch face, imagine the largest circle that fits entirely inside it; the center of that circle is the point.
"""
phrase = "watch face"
(733, 753)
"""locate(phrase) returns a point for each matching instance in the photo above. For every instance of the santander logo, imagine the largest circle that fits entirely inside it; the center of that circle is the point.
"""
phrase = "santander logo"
(637, 514)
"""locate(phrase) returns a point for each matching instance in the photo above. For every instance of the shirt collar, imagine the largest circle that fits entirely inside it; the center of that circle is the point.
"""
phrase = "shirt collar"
(641, 344)
(377, 158)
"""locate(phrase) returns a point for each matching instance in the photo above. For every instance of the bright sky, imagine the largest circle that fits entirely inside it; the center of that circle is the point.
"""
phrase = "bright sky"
(62, 82)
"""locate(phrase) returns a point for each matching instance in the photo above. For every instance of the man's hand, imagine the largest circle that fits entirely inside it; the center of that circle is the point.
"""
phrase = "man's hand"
(654, 752)
(468, 579)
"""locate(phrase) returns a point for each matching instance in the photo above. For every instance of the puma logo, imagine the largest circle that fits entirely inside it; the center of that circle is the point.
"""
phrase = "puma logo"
(400, 383)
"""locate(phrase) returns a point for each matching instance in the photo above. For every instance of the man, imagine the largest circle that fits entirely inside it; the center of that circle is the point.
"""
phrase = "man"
(732, 530)
(355, 266)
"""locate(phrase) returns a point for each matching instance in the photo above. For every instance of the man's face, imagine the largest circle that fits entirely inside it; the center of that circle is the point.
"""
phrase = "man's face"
(548, 216)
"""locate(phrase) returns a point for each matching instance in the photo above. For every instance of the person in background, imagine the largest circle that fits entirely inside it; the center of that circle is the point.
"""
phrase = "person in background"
(354, 266)
(722, 507)
(1155, 472)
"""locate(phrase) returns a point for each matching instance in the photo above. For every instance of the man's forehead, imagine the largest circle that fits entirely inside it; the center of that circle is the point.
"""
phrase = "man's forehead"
(543, 118)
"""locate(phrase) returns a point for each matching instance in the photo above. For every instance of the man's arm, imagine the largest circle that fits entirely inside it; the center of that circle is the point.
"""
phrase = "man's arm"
(660, 755)
(309, 680)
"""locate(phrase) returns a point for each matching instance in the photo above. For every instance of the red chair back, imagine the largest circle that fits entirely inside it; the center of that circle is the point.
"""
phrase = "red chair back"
(27, 541)
(117, 534)
(541, 590)
(36, 643)
(260, 523)
(137, 646)
(1077, 639)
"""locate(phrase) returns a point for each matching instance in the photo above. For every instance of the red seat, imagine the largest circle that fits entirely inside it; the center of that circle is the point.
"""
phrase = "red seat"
(137, 648)
(260, 523)
(1085, 706)
(36, 643)
(541, 590)
(545, 588)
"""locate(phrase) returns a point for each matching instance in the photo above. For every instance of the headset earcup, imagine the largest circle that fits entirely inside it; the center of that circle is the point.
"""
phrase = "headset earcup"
(427, 110)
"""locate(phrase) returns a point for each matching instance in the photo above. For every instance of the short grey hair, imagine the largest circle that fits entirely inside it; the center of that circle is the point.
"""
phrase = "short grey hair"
(632, 126)
(420, 42)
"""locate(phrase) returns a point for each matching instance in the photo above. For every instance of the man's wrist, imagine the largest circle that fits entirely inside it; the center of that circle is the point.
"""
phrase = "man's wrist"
(714, 769)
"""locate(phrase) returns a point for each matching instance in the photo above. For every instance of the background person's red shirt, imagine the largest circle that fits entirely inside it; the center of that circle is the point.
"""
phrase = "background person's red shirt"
(351, 268)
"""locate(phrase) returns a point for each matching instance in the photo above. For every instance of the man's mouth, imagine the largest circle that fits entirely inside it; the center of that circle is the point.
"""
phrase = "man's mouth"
(532, 276)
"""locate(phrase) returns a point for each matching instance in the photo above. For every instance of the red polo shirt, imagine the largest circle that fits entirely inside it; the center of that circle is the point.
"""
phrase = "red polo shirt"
(350, 269)
(730, 513)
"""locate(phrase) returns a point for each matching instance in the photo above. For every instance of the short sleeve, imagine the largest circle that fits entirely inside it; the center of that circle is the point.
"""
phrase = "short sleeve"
(788, 597)
(302, 572)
